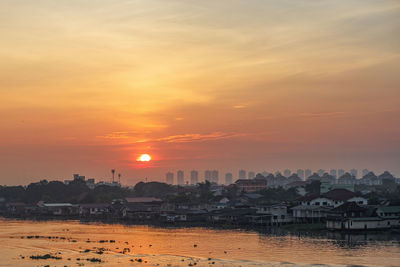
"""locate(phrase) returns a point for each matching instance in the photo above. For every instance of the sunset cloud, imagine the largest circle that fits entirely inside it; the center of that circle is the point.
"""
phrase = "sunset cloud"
(133, 137)
(322, 114)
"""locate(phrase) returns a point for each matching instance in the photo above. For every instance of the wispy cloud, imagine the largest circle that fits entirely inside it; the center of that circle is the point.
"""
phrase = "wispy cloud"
(322, 114)
(239, 106)
(184, 138)
(134, 137)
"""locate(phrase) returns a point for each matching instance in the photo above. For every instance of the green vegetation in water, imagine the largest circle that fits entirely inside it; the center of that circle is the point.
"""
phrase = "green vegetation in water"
(93, 260)
(45, 257)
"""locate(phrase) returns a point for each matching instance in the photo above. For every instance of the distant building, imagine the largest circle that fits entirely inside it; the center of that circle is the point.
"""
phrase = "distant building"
(354, 173)
(180, 177)
(169, 178)
(91, 183)
(242, 174)
(251, 175)
(287, 173)
(194, 177)
(320, 172)
(333, 173)
(340, 173)
(207, 175)
(250, 186)
(300, 173)
(215, 176)
(307, 173)
(228, 178)
(365, 172)
(265, 173)
(116, 184)
(79, 177)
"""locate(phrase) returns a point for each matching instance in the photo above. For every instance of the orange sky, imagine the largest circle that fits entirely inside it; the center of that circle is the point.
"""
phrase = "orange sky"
(87, 86)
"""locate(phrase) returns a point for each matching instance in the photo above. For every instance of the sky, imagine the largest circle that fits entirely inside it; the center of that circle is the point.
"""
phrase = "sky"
(87, 86)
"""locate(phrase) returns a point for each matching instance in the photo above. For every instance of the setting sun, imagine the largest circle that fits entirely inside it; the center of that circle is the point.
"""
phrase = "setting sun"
(144, 157)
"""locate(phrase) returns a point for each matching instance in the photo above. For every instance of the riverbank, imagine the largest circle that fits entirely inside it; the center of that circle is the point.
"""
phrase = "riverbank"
(317, 229)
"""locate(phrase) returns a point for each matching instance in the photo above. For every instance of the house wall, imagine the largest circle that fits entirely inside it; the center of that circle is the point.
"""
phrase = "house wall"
(334, 225)
(321, 201)
(350, 224)
(278, 213)
(360, 225)
(359, 200)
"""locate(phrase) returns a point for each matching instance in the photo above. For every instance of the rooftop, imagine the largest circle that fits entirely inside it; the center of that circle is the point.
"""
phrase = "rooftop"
(142, 199)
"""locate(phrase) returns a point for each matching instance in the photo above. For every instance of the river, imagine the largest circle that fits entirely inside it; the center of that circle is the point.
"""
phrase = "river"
(72, 243)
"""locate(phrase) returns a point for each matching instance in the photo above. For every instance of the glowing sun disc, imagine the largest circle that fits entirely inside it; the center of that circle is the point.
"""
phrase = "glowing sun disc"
(144, 157)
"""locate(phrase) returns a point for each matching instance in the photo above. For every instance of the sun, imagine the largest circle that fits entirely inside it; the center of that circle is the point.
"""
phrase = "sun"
(144, 157)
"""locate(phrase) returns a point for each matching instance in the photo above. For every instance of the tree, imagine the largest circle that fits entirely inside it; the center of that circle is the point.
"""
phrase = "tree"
(314, 187)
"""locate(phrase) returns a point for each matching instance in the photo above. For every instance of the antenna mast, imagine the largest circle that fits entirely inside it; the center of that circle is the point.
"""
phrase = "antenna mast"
(113, 173)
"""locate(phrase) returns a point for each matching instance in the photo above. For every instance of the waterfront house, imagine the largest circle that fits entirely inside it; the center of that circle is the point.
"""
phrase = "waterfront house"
(332, 198)
(142, 208)
(94, 209)
(2, 205)
(310, 213)
(231, 215)
(389, 213)
(15, 208)
(278, 213)
(60, 209)
(184, 216)
(352, 216)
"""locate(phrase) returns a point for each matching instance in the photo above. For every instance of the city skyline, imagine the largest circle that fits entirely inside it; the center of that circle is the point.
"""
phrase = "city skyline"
(150, 86)
(194, 178)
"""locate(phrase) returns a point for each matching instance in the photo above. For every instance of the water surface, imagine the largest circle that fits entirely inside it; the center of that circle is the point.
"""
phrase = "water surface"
(119, 245)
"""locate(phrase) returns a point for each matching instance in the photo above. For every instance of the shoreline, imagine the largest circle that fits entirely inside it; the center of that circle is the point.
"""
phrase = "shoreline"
(286, 229)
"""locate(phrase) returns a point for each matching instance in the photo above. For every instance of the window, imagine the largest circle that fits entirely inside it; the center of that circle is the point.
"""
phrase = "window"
(324, 203)
(282, 217)
(317, 203)
(275, 217)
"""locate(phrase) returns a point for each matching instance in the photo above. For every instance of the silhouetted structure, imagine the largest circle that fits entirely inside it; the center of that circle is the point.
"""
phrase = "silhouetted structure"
(194, 177)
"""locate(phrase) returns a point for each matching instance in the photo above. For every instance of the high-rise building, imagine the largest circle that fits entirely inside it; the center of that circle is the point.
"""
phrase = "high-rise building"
(194, 177)
(169, 178)
(207, 175)
(251, 175)
(365, 172)
(333, 173)
(287, 173)
(228, 178)
(354, 173)
(242, 174)
(180, 177)
(340, 173)
(214, 176)
(300, 173)
(307, 173)
(79, 177)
